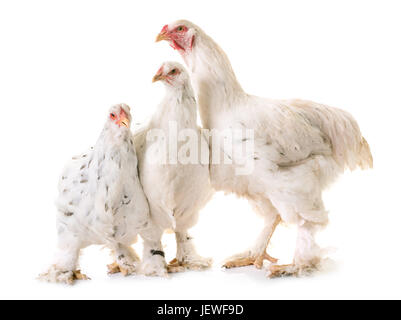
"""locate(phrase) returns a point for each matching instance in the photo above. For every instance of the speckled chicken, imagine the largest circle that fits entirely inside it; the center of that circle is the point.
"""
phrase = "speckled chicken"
(101, 201)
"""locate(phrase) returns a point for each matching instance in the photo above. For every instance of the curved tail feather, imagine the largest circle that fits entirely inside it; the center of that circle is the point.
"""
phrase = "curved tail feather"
(350, 149)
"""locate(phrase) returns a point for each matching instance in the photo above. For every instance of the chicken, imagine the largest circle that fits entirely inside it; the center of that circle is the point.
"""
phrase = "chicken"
(299, 148)
(174, 179)
(101, 201)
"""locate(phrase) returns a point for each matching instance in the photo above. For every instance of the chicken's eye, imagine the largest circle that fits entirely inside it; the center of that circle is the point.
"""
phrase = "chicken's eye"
(112, 116)
(173, 71)
(180, 28)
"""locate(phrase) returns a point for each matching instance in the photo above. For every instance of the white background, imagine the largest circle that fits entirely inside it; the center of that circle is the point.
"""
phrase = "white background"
(63, 63)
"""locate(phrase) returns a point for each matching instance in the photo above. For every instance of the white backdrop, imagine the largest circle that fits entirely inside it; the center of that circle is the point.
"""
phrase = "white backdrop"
(63, 63)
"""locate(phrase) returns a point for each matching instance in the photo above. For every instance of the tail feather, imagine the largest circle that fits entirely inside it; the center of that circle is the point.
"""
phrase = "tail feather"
(350, 149)
(366, 158)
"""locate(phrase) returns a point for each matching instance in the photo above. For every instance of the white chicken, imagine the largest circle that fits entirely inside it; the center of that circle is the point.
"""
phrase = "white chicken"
(176, 186)
(299, 148)
(101, 201)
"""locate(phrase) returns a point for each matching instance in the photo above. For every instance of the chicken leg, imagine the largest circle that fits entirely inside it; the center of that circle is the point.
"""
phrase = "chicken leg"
(252, 259)
(126, 260)
(307, 257)
(187, 258)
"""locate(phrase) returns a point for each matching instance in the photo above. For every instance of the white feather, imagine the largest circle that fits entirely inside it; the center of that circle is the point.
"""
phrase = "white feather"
(176, 192)
(300, 146)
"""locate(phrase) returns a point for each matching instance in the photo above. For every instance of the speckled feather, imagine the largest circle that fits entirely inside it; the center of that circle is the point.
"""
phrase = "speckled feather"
(101, 201)
(100, 192)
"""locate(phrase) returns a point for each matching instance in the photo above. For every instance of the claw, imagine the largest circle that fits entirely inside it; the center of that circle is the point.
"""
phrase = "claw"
(77, 275)
(176, 266)
(244, 262)
(286, 270)
(116, 268)
(259, 260)
(294, 269)
(54, 274)
(113, 268)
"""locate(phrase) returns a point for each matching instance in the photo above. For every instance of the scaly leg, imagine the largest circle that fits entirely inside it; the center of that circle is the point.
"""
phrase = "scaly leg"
(257, 255)
(256, 260)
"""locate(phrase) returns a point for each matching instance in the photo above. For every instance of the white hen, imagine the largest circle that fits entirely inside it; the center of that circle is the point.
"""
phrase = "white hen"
(299, 148)
(176, 186)
(101, 201)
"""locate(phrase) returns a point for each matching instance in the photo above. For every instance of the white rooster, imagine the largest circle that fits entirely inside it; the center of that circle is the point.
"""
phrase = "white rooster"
(101, 201)
(300, 147)
(176, 187)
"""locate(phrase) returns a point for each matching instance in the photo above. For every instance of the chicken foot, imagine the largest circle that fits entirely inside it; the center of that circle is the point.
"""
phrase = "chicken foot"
(257, 261)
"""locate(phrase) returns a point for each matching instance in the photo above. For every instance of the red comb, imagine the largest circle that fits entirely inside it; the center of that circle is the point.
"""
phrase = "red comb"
(160, 71)
(165, 28)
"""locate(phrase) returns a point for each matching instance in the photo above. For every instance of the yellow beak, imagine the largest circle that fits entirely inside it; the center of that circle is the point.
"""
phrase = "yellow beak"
(162, 36)
(158, 77)
(124, 121)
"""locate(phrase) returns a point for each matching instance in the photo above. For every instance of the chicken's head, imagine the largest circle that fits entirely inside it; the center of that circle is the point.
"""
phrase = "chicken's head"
(180, 34)
(119, 116)
(172, 74)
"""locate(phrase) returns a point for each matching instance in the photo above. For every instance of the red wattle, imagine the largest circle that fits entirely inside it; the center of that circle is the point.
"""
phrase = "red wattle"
(192, 42)
(176, 46)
